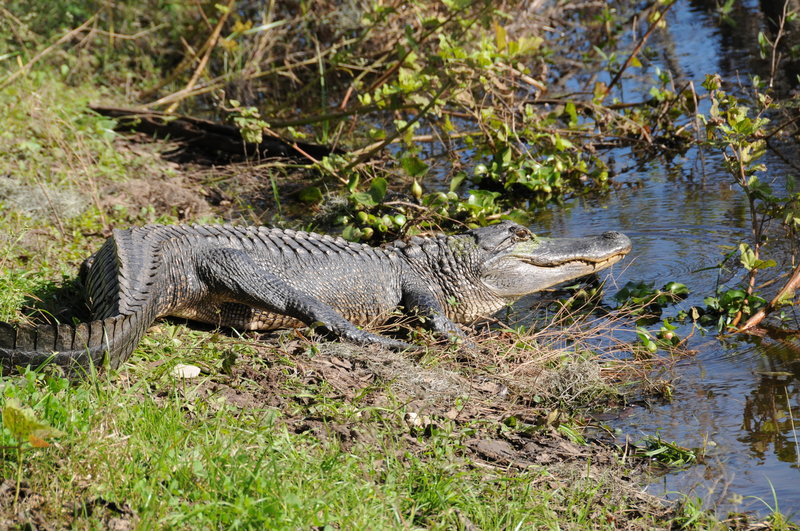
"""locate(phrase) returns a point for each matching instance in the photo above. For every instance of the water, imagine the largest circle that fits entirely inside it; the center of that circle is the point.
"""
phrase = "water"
(739, 399)
(729, 398)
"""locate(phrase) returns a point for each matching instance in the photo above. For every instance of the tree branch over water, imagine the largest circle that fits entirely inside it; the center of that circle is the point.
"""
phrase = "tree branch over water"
(786, 292)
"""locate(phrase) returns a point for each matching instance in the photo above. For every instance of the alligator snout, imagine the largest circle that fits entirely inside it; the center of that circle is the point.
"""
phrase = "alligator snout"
(623, 243)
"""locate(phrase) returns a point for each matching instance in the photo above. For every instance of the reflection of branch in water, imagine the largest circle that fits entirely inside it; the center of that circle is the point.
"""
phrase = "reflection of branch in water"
(768, 418)
(794, 430)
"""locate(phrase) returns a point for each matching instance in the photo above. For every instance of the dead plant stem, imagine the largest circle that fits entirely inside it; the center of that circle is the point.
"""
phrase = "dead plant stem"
(653, 25)
(219, 81)
(211, 43)
(54, 210)
(789, 288)
(755, 228)
(791, 422)
(367, 152)
(36, 58)
(124, 37)
(775, 55)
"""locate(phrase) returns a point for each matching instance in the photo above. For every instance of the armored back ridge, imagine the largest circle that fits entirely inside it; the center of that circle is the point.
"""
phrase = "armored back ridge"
(264, 278)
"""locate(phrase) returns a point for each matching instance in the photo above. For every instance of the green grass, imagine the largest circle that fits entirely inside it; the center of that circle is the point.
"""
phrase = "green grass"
(177, 458)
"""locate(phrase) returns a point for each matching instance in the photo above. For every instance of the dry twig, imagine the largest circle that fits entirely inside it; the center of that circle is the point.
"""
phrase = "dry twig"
(653, 25)
(211, 43)
(36, 58)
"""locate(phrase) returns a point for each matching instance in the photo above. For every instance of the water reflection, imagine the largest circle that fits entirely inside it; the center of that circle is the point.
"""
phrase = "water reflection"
(737, 30)
(737, 399)
(771, 414)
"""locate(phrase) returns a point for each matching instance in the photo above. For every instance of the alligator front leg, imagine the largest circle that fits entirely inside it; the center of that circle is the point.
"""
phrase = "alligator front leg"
(417, 297)
(232, 273)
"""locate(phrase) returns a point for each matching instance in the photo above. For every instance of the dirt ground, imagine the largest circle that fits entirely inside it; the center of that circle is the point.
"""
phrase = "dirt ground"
(505, 431)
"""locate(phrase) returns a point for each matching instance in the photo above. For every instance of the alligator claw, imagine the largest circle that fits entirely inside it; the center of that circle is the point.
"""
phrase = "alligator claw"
(366, 339)
(361, 337)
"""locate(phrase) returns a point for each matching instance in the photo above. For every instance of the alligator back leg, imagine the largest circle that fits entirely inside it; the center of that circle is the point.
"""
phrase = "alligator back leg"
(232, 274)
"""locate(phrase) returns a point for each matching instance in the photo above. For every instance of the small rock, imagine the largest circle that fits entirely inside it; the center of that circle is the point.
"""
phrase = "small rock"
(186, 371)
(413, 420)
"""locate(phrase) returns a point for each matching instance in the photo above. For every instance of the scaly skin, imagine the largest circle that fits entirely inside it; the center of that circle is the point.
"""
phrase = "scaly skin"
(259, 278)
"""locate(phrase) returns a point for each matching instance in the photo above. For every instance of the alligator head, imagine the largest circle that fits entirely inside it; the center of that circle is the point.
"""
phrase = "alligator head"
(480, 271)
(518, 262)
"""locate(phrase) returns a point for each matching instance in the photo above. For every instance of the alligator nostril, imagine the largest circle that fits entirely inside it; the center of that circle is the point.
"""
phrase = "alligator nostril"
(611, 235)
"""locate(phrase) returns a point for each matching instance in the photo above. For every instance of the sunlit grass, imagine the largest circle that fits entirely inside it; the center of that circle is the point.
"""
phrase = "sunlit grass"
(178, 458)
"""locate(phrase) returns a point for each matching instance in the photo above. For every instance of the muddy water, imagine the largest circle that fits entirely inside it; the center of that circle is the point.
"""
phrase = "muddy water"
(739, 400)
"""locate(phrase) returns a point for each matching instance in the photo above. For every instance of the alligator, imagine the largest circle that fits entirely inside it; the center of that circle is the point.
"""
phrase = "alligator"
(261, 278)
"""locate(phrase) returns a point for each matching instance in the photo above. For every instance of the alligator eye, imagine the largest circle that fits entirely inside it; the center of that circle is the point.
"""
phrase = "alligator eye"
(521, 234)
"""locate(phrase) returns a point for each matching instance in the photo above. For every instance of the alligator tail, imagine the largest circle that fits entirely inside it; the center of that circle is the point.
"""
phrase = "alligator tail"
(76, 348)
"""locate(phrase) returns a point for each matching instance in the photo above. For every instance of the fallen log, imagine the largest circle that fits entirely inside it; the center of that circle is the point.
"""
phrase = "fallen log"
(221, 142)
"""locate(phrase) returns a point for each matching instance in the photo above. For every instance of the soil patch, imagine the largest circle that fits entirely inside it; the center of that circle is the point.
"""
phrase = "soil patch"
(165, 195)
(34, 511)
(497, 429)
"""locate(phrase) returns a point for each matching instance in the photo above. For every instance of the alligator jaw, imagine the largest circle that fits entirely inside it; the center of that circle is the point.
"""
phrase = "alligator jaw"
(595, 264)
(538, 264)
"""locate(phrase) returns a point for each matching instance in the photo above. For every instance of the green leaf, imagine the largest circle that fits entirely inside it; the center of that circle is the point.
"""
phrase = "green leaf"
(447, 126)
(527, 44)
(569, 108)
(730, 297)
(310, 194)
(413, 166)
(764, 264)
(764, 44)
(456, 181)
(352, 184)
(505, 156)
(571, 434)
(377, 189)
(363, 198)
(482, 198)
(23, 424)
(747, 256)
(351, 233)
(712, 302)
(562, 144)
(676, 288)
(457, 5)
(501, 37)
